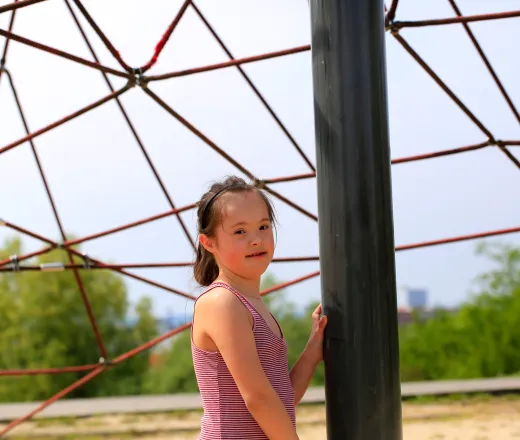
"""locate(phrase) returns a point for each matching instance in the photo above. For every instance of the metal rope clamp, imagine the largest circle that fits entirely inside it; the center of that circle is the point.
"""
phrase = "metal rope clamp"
(104, 361)
(15, 263)
(52, 267)
(139, 77)
(87, 262)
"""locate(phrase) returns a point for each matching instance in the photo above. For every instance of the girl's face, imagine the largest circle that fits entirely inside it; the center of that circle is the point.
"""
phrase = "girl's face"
(243, 242)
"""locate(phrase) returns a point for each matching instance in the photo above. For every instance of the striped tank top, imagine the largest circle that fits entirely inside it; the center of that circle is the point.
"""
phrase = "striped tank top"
(225, 413)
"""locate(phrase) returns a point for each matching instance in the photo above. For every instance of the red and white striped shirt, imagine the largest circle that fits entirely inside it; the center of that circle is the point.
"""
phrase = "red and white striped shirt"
(225, 414)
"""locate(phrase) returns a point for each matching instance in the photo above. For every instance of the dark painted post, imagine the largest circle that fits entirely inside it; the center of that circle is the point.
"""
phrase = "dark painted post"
(355, 220)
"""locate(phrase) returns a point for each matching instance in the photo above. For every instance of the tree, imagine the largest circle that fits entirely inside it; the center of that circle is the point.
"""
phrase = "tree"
(481, 339)
(44, 324)
(297, 329)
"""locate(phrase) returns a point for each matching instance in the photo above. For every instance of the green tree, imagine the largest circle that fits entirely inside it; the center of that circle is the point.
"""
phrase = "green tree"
(172, 371)
(44, 324)
(297, 328)
(481, 339)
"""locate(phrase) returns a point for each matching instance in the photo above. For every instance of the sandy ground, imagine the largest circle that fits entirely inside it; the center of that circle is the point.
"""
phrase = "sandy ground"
(496, 419)
(477, 421)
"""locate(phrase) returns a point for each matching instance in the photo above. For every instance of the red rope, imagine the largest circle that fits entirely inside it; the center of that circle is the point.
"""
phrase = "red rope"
(17, 4)
(60, 53)
(390, 15)
(232, 63)
(37, 371)
(166, 36)
(454, 20)
(53, 399)
(255, 90)
(486, 61)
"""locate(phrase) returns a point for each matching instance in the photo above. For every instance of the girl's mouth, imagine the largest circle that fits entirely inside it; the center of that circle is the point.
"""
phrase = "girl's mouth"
(256, 255)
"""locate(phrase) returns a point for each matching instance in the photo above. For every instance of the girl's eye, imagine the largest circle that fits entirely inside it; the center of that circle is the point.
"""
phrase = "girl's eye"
(240, 231)
(264, 227)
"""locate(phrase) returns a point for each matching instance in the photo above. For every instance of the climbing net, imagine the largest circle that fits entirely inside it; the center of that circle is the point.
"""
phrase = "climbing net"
(138, 77)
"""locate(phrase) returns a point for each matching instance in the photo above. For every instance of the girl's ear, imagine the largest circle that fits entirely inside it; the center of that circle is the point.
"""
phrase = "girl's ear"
(207, 242)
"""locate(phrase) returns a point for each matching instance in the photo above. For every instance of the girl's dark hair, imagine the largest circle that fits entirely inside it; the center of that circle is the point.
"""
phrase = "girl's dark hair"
(209, 213)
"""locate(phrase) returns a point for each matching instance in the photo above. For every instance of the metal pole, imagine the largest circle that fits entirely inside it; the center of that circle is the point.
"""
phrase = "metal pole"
(355, 220)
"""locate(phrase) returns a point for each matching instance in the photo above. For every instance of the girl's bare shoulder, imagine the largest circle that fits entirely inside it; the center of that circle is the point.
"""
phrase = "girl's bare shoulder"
(219, 302)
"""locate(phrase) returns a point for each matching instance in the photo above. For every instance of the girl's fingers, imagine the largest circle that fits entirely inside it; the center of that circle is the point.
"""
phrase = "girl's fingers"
(323, 322)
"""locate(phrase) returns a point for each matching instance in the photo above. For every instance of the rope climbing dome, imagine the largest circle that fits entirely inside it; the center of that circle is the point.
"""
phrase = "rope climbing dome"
(139, 77)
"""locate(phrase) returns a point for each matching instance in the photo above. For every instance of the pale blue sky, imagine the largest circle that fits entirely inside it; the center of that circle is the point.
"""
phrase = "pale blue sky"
(100, 179)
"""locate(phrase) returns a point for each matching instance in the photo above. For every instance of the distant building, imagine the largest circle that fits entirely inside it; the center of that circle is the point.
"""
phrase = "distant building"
(412, 298)
(417, 299)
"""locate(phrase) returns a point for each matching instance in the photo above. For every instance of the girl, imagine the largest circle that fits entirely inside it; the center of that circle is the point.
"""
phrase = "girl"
(239, 351)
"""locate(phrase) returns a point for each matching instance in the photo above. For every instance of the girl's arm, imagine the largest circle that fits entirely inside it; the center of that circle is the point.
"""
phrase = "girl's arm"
(223, 318)
(303, 370)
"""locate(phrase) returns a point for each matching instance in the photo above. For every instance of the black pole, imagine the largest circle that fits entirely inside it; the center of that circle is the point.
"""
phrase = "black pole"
(355, 220)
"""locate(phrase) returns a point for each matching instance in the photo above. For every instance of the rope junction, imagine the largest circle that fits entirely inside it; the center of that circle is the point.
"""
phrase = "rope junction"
(136, 77)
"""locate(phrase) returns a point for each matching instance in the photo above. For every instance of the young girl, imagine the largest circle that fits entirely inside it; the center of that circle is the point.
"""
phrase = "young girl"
(238, 347)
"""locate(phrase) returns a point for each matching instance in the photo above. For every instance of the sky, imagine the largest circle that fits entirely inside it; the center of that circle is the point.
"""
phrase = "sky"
(100, 180)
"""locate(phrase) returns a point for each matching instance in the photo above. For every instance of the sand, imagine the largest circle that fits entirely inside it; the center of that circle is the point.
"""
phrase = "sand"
(475, 419)
(495, 419)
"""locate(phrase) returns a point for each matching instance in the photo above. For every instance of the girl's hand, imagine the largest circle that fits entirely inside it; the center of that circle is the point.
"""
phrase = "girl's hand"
(314, 348)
